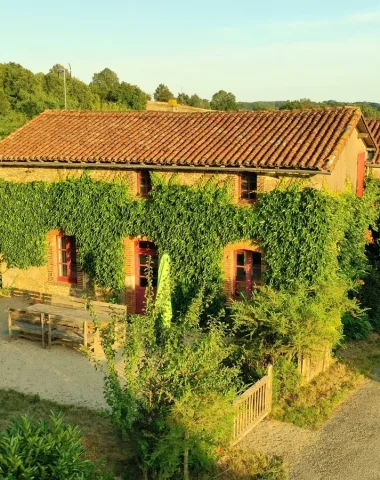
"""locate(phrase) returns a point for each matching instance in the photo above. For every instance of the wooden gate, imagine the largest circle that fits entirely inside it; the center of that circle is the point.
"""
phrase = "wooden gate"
(252, 406)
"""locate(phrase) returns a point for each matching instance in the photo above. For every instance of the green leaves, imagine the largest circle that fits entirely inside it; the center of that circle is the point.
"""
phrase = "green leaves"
(307, 235)
(44, 450)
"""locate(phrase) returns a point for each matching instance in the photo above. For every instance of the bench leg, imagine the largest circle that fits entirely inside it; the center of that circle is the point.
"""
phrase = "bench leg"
(49, 332)
(10, 325)
(43, 329)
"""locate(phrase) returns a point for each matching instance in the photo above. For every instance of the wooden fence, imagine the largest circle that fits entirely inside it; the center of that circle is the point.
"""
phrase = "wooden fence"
(252, 406)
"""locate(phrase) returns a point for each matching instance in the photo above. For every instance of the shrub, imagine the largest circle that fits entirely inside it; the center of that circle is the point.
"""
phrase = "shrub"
(356, 327)
(178, 392)
(44, 450)
(286, 378)
(301, 320)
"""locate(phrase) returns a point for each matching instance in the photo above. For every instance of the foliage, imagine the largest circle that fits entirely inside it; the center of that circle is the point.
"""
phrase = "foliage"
(306, 235)
(162, 93)
(24, 94)
(356, 327)
(291, 322)
(24, 223)
(286, 379)
(177, 393)
(105, 84)
(370, 288)
(47, 449)
(191, 224)
(224, 101)
(99, 436)
(297, 225)
(309, 406)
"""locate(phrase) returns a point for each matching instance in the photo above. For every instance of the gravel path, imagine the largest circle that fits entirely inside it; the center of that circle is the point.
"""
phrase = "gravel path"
(346, 448)
(61, 374)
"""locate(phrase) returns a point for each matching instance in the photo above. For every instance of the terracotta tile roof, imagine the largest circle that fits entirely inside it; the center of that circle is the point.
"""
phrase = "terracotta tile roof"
(308, 139)
(374, 127)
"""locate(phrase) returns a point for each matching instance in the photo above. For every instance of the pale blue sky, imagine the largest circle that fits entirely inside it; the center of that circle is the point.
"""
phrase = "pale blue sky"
(273, 50)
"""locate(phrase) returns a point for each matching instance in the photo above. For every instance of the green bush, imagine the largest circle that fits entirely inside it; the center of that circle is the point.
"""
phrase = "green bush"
(299, 321)
(44, 450)
(286, 379)
(356, 327)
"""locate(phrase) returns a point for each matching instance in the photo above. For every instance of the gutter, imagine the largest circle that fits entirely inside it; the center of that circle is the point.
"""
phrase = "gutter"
(179, 168)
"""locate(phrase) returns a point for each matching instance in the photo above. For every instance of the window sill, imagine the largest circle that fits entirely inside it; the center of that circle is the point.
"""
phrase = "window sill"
(243, 201)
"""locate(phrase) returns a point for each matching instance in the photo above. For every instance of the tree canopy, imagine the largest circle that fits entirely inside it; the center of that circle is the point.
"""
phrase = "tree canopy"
(224, 101)
(162, 93)
(24, 94)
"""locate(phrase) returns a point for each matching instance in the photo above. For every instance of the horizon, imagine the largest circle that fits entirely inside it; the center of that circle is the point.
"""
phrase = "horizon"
(258, 52)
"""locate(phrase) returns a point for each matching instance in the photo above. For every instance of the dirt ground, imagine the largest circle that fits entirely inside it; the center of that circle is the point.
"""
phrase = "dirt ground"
(61, 374)
(345, 448)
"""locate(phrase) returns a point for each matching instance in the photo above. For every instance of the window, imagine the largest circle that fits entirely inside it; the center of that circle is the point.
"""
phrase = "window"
(247, 272)
(145, 252)
(145, 183)
(66, 261)
(248, 187)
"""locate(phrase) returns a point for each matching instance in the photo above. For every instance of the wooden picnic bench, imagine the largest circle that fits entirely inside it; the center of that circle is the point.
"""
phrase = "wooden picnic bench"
(64, 320)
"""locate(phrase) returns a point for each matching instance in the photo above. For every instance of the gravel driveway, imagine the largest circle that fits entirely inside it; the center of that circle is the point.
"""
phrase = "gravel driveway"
(61, 374)
(346, 448)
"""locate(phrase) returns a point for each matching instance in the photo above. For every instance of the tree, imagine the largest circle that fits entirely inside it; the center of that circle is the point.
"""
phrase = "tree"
(183, 99)
(162, 93)
(105, 84)
(131, 96)
(195, 101)
(301, 104)
(224, 101)
(206, 103)
(178, 390)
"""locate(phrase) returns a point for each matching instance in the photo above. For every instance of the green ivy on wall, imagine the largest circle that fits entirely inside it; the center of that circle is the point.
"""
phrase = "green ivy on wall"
(305, 233)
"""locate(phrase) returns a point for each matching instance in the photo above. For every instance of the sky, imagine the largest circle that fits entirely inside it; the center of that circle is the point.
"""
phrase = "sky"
(258, 50)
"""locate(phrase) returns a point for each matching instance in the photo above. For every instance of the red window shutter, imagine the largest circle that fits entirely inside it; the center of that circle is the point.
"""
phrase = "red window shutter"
(360, 175)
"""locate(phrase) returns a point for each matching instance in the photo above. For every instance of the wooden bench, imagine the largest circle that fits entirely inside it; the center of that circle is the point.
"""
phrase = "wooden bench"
(27, 324)
(67, 320)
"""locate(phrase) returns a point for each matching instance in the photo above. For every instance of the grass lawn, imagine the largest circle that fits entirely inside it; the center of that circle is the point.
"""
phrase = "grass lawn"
(100, 440)
(312, 404)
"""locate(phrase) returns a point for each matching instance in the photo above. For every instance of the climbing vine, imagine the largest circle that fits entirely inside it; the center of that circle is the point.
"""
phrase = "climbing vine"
(305, 233)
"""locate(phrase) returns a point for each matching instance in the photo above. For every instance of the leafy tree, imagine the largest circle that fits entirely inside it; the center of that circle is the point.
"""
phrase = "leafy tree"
(106, 84)
(224, 101)
(131, 96)
(162, 93)
(178, 391)
(206, 104)
(183, 99)
(195, 101)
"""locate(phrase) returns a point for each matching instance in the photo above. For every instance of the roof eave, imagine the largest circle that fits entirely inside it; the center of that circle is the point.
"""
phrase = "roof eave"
(130, 166)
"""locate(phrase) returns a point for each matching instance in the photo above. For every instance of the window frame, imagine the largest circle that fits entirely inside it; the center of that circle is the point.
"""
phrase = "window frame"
(249, 269)
(71, 257)
(140, 290)
(144, 183)
(251, 193)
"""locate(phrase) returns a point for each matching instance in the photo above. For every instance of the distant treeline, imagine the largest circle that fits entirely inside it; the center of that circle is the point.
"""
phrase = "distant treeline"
(369, 109)
(24, 94)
